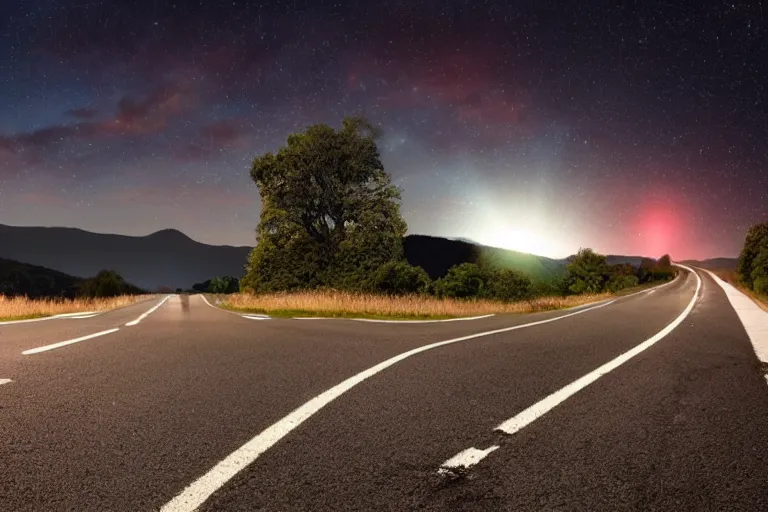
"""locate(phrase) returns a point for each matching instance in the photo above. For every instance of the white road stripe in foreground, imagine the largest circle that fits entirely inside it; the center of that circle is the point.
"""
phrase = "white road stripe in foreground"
(147, 313)
(537, 410)
(200, 490)
(60, 344)
(5, 381)
(465, 459)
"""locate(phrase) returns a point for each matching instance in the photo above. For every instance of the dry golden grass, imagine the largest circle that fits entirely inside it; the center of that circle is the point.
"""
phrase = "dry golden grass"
(343, 304)
(18, 308)
(731, 277)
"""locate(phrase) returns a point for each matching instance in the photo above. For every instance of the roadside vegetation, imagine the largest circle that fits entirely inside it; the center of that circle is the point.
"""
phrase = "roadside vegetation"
(23, 308)
(29, 291)
(330, 243)
(751, 276)
(339, 304)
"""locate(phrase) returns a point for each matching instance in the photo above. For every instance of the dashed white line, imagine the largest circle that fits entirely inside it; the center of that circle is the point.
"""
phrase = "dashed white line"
(465, 459)
(5, 381)
(149, 312)
(202, 488)
(60, 344)
(256, 317)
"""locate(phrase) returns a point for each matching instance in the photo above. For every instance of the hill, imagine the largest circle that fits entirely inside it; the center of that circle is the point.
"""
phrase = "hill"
(715, 263)
(436, 255)
(166, 258)
(170, 259)
(34, 281)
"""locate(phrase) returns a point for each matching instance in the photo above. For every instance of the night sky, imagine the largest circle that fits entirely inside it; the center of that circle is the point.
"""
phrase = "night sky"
(534, 125)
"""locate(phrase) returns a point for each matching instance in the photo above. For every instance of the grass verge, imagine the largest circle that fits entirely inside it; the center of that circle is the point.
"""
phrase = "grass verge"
(333, 304)
(22, 308)
(732, 278)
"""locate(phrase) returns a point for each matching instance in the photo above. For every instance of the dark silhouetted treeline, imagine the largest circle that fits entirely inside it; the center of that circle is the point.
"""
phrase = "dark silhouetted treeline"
(35, 282)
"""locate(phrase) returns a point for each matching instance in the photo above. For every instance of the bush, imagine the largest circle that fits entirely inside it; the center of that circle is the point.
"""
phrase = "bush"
(759, 273)
(585, 272)
(461, 281)
(469, 280)
(507, 285)
(755, 244)
(400, 278)
(107, 283)
(619, 282)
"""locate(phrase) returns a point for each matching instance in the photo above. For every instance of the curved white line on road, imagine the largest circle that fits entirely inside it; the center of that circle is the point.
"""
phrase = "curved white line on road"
(200, 490)
(5, 381)
(463, 318)
(52, 317)
(540, 408)
(149, 312)
(472, 456)
(60, 344)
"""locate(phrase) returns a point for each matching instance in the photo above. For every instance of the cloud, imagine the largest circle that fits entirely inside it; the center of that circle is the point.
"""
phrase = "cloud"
(135, 115)
(82, 113)
(215, 137)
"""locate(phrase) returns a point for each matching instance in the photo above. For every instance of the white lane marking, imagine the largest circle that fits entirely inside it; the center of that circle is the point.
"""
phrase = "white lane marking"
(68, 342)
(80, 317)
(421, 321)
(465, 459)
(201, 489)
(52, 317)
(540, 408)
(249, 317)
(316, 318)
(149, 312)
(5, 381)
(651, 291)
(753, 318)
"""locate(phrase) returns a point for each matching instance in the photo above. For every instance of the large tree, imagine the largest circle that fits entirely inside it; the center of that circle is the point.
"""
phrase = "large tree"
(330, 214)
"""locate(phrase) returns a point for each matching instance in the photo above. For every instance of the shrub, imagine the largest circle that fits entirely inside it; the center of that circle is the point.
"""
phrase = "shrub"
(461, 281)
(619, 282)
(585, 272)
(507, 285)
(400, 278)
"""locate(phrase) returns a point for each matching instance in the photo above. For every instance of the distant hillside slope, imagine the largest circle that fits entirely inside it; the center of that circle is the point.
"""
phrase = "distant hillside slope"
(167, 258)
(715, 263)
(33, 281)
(437, 255)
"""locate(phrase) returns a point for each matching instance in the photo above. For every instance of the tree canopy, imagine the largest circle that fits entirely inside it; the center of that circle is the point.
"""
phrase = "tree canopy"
(330, 213)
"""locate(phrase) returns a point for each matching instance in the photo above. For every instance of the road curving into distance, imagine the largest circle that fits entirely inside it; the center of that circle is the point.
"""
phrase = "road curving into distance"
(651, 401)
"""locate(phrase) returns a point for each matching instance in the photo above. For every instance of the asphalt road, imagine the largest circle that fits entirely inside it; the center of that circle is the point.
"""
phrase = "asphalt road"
(127, 420)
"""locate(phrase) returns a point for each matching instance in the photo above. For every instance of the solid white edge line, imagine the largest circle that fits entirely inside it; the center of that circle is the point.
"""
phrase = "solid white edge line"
(52, 317)
(752, 317)
(81, 317)
(68, 342)
(201, 489)
(540, 408)
(465, 459)
(148, 312)
(5, 381)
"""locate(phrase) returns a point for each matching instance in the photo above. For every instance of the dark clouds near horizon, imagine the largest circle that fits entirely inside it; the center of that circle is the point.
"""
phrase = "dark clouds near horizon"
(542, 126)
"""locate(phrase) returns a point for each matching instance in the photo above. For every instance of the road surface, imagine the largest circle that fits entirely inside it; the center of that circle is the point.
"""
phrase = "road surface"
(654, 401)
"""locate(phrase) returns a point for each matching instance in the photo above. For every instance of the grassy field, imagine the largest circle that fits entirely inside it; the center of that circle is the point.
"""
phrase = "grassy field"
(349, 305)
(22, 308)
(730, 276)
